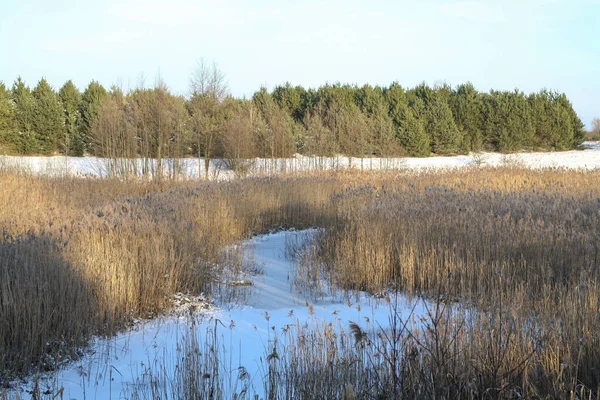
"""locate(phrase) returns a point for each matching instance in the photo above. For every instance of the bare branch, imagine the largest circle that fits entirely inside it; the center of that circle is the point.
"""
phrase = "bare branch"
(208, 80)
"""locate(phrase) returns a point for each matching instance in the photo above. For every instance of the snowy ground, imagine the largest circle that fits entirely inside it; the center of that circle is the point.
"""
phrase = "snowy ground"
(115, 367)
(194, 167)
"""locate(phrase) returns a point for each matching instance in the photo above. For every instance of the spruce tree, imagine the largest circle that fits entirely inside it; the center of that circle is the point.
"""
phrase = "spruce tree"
(48, 122)
(71, 141)
(91, 101)
(26, 139)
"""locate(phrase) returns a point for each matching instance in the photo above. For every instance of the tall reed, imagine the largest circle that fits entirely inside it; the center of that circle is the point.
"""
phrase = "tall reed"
(80, 257)
(518, 248)
(521, 247)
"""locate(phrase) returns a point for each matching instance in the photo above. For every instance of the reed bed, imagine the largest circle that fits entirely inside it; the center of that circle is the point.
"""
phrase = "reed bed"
(81, 258)
(518, 248)
(522, 248)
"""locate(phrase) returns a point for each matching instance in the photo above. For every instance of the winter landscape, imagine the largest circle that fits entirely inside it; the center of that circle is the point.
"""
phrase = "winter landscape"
(383, 200)
(396, 282)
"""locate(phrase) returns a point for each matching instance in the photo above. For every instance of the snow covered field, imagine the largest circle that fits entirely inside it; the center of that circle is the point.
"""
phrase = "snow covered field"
(194, 167)
(150, 353)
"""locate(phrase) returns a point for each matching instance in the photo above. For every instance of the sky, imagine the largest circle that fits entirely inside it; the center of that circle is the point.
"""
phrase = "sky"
(499, 44)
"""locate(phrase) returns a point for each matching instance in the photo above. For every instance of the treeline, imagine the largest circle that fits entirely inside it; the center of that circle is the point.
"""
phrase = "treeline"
(333, 119)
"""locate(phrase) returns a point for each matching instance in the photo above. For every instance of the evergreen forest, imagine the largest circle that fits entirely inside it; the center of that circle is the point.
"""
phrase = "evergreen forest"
(357, 121)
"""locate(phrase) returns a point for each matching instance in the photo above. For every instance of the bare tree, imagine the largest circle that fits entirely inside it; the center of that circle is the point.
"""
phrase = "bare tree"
(238, 140)
(208, 80)
(169, 125)
(163, 128)
(159, 121)
(596, 127)
(274, 128)
(141, 100)
(113, 136)
(318, 137)
(208, 91)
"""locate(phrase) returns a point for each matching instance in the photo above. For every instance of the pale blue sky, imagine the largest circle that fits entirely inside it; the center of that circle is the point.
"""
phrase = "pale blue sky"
(501, 44)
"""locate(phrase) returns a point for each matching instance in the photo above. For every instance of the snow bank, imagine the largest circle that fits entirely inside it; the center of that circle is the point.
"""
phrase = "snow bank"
(193, 168)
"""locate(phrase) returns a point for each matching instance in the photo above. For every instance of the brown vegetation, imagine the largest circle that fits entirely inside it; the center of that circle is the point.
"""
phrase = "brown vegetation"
(521, 247)
(80, 257)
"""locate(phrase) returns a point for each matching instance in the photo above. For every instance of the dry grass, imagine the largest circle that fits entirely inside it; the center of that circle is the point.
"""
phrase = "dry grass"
(522, 247)
(81, 257)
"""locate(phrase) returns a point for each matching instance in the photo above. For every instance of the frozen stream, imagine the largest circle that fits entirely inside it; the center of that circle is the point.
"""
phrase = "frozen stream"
(114, 367)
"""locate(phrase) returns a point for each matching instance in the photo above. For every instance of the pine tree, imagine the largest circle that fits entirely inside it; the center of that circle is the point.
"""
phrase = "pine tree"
(467, 110)
(519, 122)
(91, 101)
(563, 128)
(26, 139)
(541, 110)
(509, 122)
(425, 93)
(555, 122)
(355, 135)
(7, 120)
(71, 141)
(383, 136)
(395, 97)
(578, 126)
(444, 135)
(291, 99)
(48, 122)
(333, 101)
(380, 135)
(412, 136)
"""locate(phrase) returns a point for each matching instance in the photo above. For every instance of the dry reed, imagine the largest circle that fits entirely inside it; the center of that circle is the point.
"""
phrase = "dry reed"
(521, 247)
